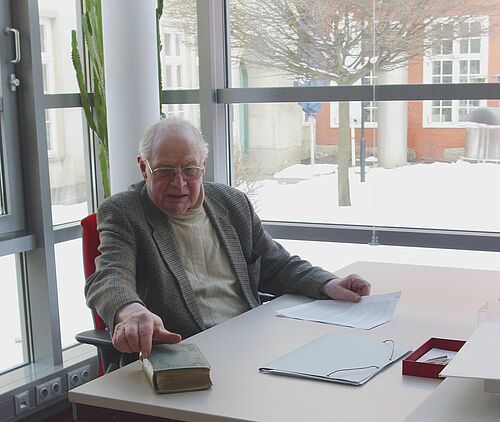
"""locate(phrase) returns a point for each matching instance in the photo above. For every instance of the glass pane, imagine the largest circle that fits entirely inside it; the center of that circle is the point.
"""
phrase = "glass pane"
(475, 45)
(57, 19)
(436, 114)
(283, 43)
(331, 43)
(73, 312)
(333, 255)
(464, 46)
(190, 112)
(464, 66)
(166, 44)
(462, 114)
(417, 173)
(68, 186)
(179, 76)
(447, 47)
(474, 67)
(447, 68)
(11, 352)
(43, 39)
(167, 76)
(436, 48)
(179, 47)
(475, 28)
(446, 115)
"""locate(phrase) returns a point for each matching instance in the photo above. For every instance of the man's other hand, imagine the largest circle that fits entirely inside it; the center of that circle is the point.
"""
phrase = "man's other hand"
(136, 327)
(349, 288)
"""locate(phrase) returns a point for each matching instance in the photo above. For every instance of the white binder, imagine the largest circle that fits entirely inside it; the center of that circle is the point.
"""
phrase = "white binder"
(338, 358)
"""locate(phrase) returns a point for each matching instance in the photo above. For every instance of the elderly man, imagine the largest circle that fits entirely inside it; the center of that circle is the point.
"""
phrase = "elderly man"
(179, 255)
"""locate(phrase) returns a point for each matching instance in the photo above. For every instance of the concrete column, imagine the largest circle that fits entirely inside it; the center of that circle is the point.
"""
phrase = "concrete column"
(392, 133)
(131, 77)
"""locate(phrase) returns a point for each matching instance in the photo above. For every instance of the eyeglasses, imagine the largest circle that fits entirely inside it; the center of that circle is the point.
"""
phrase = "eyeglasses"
(168, 173)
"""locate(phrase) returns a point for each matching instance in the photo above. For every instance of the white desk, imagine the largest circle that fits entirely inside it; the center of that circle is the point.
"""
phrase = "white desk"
(435, 302)
(458, 400)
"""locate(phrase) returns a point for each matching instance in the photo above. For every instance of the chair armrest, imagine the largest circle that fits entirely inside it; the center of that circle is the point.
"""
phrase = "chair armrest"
(99, 338)
(266, 297)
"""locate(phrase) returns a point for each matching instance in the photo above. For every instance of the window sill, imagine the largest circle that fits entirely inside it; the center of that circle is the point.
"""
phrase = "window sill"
(28, 376)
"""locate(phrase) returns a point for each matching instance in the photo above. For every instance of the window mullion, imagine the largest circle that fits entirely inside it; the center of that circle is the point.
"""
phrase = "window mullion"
(40, 262)
(213, 120)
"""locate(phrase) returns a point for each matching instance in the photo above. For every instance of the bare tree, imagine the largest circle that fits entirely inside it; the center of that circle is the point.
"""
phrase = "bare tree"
(341, 41)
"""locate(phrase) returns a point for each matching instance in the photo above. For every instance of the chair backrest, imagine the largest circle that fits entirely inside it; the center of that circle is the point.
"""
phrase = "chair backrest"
(90, 240)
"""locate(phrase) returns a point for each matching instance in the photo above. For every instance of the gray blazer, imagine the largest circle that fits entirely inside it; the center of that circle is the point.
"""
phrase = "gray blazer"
(139, 261)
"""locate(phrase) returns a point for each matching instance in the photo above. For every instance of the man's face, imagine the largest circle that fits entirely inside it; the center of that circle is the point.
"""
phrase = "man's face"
(174, 195)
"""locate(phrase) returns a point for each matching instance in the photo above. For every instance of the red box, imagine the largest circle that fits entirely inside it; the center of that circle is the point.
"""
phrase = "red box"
(429, 370)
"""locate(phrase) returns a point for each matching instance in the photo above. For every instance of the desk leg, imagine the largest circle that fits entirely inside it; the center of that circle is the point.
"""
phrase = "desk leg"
(86, 413)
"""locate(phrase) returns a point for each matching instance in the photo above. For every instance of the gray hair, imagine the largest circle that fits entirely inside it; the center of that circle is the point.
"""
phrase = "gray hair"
(162, 128)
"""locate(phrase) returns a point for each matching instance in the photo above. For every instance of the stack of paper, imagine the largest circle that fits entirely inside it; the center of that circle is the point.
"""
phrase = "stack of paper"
(370, 312)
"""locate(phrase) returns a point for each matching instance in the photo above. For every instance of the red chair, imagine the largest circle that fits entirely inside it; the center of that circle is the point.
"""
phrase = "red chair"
(99, 336)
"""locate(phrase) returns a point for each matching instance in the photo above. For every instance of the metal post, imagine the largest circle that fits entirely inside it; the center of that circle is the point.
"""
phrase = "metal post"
(362, 144)
(312, 134)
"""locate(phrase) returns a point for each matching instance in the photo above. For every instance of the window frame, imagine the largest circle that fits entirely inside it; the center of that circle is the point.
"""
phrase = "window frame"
(12, 222)
(33, 245)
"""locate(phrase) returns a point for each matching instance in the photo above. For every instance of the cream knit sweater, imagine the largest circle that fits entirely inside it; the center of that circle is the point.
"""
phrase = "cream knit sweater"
(218, 293)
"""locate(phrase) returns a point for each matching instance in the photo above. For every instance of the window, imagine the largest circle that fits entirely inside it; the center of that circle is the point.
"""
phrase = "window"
(179, 45)
(367, 109)
(283, 186)
(458, 55)
(27, 262)
(67, 171)
(75, 317)
(48, 72)
(179, 56)
(15, 342)
(402, 135)
(174, 65)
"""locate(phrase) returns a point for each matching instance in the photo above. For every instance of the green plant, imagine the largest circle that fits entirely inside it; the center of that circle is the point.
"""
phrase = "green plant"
(159, 12)
(94, 106)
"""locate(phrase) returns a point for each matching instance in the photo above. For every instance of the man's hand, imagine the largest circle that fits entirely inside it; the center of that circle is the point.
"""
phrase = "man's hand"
(136, 327)
(349, 288)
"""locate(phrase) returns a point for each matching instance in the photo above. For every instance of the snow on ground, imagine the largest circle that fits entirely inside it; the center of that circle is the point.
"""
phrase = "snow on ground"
(461, 196)
(304, 171)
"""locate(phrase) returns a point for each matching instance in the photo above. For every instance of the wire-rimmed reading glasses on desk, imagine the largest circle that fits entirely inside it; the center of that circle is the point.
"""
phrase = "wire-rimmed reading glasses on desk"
(376, 367)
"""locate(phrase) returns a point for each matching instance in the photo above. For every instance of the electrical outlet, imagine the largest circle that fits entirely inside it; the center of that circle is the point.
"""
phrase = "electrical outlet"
(23, 402)
(49, 390)
(78, 376)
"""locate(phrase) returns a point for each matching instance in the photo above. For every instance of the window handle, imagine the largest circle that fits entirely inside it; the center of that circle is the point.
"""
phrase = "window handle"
(17, 45)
